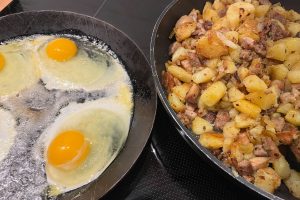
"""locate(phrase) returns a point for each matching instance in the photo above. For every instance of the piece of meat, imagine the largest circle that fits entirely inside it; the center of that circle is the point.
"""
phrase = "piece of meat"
(192, 94)
(295, 148)
(194, 60)
(173, 47)
(244, 168)
(271, 148)
(259, 151)
(222, 12)
(259, 162)
(168, 80)
(289, 127)
(278, 122)
(221, 119)
(287, 97)
(247, 55)
(207, 25)
(260, 48)
(286, 137)
(190, 112)
(184, 119)
(186, 64)
(264, 2)
(210, 117)
(247, 43)
(296, 86)
(272, 14)
(278, 84)
(272, 30)
(216, 152)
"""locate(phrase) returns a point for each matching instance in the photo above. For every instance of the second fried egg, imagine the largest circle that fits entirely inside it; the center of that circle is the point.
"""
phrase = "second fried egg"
(74, 63)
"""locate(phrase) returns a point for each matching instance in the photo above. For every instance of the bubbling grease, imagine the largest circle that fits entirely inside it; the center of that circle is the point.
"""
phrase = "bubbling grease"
(22, 175)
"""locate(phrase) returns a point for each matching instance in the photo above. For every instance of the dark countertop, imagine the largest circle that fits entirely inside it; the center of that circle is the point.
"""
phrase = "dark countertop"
(168, 167)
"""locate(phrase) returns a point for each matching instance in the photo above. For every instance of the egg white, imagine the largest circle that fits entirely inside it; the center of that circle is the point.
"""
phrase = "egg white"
(20, 71)
(105, 123)
(7, 132)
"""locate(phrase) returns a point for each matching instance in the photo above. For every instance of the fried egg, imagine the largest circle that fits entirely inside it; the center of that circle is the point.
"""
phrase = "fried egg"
(74, 63)
(82, 141)
(18, 70)
(7, 132)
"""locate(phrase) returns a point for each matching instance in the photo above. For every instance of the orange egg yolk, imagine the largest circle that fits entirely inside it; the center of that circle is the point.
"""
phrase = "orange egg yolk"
(68, 150)
(61, 49)
(2, 61)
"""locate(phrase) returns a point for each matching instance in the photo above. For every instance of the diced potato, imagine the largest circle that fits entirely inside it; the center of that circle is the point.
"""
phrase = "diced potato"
(179, 73)
(227, 144)
(212, 63)
(291, 60)
(293, 116)
(232, 36)
(220, 23)
(180, 54)
(243, 121)
(235, 54)
(211, 140)
(209, 14)
(213, 94)
(294, 76)
(267, 179)
(218, 5)
(229, 66)
(293, 28)
(292, 44)
(237, 12)
(181, 91)
(175, 103)
(285, 108)
(282, 167)
(235, 94)
(262, 10)
(264, 100)
(256, 133)
(200, 126)
(210, 46)
(247, 108)
(296, 66)
(293, 16)
(278, 51)
(253, 84)
(278, 72)
(184, 28)
(242, 72)
(293, 183)
(230, 130)
(204, 75)
(249, 29)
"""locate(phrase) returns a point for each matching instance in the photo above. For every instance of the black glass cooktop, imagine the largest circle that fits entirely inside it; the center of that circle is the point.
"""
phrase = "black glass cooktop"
(168, 167)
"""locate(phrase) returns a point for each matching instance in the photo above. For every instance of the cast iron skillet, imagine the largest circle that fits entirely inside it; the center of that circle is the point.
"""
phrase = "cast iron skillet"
(138, 68)
(160, 43)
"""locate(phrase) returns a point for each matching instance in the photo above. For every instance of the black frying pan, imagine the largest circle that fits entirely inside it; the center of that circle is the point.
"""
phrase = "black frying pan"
(28, 23)
(160, 43)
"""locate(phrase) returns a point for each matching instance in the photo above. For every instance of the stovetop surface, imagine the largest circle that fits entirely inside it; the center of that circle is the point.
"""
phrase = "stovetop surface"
(168, 168)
